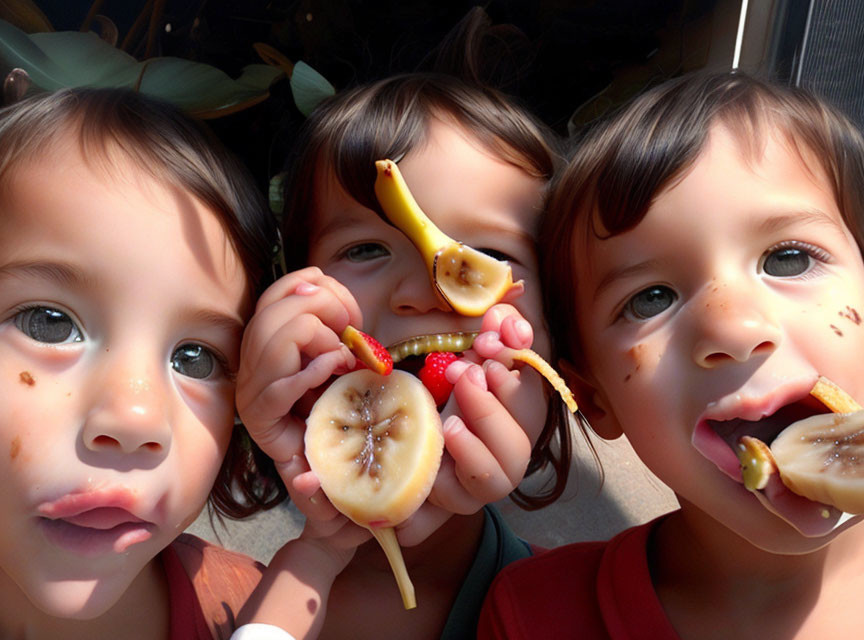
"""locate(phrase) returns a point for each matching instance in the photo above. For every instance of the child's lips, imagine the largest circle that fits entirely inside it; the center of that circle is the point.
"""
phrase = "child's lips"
(715, 438)
(94, 522)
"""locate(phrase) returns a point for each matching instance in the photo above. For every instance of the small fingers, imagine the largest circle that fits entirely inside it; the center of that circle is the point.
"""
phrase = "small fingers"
(305, 489)
(491, 422)
(422, 524)
(475, 470)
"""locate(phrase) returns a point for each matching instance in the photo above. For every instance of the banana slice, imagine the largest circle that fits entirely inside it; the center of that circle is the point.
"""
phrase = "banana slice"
(375, 442)
(466, 279)
(822, 457)
(757, 462)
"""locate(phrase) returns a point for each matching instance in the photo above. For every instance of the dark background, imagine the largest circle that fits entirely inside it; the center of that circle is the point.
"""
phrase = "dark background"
(567, 61)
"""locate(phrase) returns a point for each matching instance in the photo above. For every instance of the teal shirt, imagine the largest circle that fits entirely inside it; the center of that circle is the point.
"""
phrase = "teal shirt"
(499, 546)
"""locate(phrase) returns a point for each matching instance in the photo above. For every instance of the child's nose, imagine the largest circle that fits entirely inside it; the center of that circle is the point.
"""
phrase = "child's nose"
(734, 325)
(129, 415)
(414, 293)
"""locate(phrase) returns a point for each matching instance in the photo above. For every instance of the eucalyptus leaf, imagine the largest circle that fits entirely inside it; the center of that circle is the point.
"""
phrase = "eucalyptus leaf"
(74, 59)
(309, 88)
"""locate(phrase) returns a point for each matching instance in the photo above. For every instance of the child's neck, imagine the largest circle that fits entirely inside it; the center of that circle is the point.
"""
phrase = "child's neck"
(142, 613)
(710, 580)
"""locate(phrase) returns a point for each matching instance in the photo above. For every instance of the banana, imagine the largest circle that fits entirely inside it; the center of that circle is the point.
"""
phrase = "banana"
(822, 457)
(819, 458)
(467, 280)
(375, 442)
(757, 462)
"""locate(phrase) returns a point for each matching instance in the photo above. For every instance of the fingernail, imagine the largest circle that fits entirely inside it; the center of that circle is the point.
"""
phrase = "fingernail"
(523, 330)
(451, 425)
(494, 367)
(455, 370)
(306, 289)
(477, 376)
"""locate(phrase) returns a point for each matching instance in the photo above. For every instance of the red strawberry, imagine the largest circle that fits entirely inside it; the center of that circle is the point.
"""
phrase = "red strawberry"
(368, 350)
(432, 375)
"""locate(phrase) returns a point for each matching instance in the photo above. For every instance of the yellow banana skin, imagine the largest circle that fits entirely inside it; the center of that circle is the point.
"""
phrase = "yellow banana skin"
(467, 280)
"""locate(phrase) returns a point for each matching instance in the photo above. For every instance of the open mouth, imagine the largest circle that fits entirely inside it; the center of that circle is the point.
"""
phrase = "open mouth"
(412, 355)
(717, 440)
(766, 429)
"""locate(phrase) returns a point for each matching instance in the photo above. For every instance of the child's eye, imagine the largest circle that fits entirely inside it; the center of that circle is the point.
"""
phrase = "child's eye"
(649, 302)
(494, 253)
(791, 259)
(48, 325)
(196, 361)
(365, 251)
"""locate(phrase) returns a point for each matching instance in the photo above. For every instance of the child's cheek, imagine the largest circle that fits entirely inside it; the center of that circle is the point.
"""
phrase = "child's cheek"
(640, 359)
(848, 320)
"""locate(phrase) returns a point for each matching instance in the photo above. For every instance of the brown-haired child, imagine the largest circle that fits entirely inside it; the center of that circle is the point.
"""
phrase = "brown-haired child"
(132, 248)
(478, 166)
(709, 239)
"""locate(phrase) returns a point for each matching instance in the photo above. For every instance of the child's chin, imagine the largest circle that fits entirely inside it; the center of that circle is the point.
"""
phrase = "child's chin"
(81, 598)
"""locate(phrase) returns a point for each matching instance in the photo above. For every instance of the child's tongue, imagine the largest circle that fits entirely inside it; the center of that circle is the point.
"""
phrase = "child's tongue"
(811, 519)
(716, 441)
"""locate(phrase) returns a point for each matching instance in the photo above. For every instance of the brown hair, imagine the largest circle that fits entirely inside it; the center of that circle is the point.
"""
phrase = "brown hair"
(389, 118)
(622, 164)
(172, 147)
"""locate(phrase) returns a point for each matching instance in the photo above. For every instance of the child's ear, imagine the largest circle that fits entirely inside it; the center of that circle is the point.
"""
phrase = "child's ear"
(592, 402)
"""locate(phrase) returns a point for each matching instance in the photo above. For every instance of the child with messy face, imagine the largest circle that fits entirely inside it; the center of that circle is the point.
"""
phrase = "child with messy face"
(130, 251)
(710, 238)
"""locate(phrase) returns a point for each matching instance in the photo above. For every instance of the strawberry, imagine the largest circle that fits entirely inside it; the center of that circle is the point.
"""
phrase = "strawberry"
(432, 375)
(368, 350)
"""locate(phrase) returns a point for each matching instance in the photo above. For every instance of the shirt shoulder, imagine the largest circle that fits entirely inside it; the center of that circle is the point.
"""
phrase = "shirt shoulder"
(223, 580)
(549, 595)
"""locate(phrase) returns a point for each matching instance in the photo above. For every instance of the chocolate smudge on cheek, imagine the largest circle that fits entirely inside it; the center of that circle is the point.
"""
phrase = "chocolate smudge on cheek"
(850, 314)
(836, 330)
(637, 355)
(25, 378)
(15, 447)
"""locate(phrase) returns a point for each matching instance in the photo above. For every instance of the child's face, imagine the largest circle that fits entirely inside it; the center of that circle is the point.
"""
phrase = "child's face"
(738, 289)
(471, 195)
(118, 298)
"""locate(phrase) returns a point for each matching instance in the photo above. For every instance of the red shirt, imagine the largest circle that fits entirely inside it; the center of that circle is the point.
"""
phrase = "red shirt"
(586, 590)
(207, 585)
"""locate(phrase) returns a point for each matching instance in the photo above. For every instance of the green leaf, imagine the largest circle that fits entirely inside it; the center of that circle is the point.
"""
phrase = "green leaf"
(309, 88)
(73, 59)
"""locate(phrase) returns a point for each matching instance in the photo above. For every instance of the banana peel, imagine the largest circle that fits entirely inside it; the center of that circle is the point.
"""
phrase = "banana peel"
(467, 280)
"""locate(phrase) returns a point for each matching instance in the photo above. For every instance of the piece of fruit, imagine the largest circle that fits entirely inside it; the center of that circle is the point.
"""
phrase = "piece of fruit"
(822, 457)
(757, 462)
(375, 442)
(462, 341)
(432, 375)
(466, 279)
(833, 396)
(368, 350)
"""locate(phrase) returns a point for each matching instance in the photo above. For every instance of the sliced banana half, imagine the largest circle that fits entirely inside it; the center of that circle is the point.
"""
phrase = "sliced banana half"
(466, 279)
(375, 442)
(822, 458)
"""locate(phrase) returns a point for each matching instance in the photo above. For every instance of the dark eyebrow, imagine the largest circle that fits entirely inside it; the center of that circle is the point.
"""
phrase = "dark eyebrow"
(62, 273)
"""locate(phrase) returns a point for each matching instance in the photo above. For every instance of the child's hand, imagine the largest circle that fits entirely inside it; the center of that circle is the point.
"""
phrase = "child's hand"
(295, 588)
(290, 347)
(487, 442)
